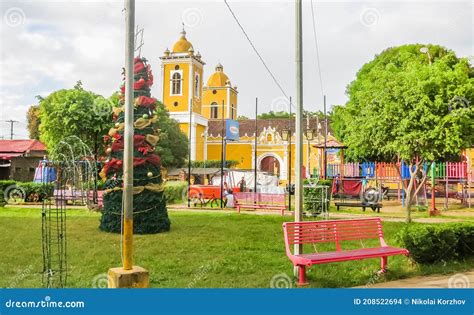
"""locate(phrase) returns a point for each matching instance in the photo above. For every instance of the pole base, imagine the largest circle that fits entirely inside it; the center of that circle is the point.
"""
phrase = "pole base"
(137, 277)
(434, 212)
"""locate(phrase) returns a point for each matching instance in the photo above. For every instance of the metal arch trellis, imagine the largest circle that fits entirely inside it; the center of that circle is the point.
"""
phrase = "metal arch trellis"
(76, 174)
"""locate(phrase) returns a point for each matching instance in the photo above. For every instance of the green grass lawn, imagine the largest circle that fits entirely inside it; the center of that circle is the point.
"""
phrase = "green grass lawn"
(201, 250)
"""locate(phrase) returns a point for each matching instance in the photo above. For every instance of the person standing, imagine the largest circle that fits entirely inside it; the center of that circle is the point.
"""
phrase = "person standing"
(242, 185)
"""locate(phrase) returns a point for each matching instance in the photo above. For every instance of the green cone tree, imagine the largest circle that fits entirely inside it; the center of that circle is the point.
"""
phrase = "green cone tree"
(149, 203)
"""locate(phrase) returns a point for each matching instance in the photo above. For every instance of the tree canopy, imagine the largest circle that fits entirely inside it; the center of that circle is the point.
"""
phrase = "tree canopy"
(74, 113)
(409, 104)
(32, 117)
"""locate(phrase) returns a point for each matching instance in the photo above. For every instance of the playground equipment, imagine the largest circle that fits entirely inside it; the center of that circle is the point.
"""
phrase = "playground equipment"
(390, 175)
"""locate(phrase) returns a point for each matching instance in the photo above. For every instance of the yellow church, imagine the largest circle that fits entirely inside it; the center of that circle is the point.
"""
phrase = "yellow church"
(189, 98)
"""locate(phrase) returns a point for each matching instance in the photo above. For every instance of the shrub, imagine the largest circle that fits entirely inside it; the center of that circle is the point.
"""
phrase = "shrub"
(465, 236)
(2, 199)
(430, 243)
(213, 163)
(5, 183)
(30, 191)
(313, 202)
(175, 191)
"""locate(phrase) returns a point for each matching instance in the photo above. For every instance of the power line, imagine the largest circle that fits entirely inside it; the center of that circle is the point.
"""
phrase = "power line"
(255, 50)
(317, 49)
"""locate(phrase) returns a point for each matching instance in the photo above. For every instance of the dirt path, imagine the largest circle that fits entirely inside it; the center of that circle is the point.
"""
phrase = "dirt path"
(458, 280)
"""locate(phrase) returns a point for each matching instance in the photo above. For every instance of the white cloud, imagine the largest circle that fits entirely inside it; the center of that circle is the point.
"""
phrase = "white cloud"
(62, 42)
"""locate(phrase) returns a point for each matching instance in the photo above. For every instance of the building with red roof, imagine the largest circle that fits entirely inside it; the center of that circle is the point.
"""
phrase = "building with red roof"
(19, 158)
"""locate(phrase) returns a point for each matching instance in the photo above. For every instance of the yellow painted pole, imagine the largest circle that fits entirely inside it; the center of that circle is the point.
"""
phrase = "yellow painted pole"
(127, 240)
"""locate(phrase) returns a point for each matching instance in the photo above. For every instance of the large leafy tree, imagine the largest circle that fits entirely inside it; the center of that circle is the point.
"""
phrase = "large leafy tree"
(409, 104)
(74, 113)
(33, 119)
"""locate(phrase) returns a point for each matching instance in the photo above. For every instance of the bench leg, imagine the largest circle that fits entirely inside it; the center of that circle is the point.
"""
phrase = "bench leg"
(302, 276)
(383, 264)
(363, 209)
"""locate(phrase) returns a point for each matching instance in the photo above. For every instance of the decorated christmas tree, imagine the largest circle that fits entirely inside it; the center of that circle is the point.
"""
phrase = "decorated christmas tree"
(149, 203)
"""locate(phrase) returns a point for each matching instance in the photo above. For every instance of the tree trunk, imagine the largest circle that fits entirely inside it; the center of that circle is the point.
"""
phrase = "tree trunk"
(409, 197)
(409, 190)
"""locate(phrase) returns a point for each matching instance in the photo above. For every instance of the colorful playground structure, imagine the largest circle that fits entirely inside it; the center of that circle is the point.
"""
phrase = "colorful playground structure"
(452, 179)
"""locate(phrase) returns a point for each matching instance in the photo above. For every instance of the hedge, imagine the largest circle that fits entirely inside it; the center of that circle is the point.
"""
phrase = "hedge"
(431, 243)
(176, 192)
(213, 163)
(31, 191)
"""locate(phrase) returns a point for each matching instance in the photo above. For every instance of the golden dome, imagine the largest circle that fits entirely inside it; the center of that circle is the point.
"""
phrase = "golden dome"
(218, 78)
(182, 45)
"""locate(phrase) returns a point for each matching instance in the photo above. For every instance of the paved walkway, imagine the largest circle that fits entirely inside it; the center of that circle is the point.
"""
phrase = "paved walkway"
(457, 280)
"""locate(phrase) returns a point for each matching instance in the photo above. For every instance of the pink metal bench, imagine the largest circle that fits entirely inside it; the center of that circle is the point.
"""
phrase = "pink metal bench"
(260, 201)
(62, 196)
(336, 231)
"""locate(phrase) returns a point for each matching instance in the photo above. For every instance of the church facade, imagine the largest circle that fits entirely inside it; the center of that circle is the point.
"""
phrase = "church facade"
(190, 98)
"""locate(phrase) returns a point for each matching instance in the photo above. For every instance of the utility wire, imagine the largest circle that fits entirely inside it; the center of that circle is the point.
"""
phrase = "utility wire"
(255, 50)
(317, 49)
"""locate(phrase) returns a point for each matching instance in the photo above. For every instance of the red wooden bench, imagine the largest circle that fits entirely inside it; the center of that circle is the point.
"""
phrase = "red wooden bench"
(260, 201)
(336, 231)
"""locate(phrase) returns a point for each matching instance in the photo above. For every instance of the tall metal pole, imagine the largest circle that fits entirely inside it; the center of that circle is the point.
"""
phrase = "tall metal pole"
(189, 149)
(325, 157)
(308, 147)
(222, 156)
(127, 245)
(299, 118)
(289, 159)
(255, 147)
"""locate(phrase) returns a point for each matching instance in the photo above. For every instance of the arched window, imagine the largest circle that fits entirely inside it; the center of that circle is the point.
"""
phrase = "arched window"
(214, 110)
(176, 83)
(197, 89)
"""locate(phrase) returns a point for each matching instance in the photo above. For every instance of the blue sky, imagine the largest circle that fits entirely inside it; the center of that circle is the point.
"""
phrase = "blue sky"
(49, 45)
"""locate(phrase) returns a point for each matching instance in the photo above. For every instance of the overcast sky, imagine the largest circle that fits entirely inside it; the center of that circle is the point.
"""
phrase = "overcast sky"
(49, 45)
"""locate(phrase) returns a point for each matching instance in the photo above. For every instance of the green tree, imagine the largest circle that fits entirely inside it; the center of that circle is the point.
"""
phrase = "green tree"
(74, 112)
(409, 104)
(33, 120)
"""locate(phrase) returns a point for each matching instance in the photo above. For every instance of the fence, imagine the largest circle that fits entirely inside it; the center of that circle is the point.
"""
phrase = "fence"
(390, 171)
